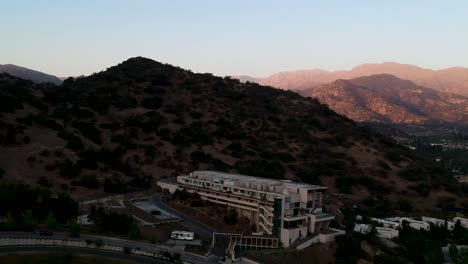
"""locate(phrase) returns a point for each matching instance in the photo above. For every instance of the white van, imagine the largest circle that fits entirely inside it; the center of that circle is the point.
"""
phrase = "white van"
(182, 235)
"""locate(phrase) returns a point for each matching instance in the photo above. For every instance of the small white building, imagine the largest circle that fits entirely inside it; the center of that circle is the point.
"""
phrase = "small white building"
(438, 222)
(418, 225)
(386, 223)
(362, 228)
(83, 220)
(384, 232)
(463, 221)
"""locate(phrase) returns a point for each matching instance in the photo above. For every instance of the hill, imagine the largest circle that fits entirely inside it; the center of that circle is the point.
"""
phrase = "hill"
(386, 98)
(116, 130)
(28, 74)
(452, 80)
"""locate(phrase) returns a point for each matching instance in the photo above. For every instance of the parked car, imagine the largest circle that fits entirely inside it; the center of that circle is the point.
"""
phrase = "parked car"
(45, 233)
(74, 235)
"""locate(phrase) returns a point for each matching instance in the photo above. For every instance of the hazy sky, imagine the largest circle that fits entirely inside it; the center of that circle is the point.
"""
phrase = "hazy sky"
(225, 37)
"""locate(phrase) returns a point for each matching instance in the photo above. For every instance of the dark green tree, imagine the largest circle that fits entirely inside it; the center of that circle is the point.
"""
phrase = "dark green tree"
(134, 232)
(51, 221)
(73, 227)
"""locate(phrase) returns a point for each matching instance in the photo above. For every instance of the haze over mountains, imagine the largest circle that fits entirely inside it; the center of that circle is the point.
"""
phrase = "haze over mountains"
(28, 74)
(454, 80)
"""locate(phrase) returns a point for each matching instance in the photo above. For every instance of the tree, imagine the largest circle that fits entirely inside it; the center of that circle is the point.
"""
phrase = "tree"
(51, 221)
(453, 250)
(73, 227)
(28, 222)
(134, 232)
(92, 229)
(10, 222)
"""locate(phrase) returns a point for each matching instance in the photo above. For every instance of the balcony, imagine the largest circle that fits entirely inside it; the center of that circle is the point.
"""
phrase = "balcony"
(321, 217)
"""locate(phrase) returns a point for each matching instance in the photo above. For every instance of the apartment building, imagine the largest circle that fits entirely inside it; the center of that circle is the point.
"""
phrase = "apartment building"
(287, 210)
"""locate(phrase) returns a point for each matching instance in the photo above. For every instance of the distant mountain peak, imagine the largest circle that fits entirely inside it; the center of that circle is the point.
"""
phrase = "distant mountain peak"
(453, 80)
(386, 98)
(28, 74)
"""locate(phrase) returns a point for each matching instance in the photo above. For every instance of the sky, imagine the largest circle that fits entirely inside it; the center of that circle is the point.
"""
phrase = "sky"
(242, 37)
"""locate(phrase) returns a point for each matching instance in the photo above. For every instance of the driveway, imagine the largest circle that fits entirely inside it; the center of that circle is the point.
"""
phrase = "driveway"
(192, 224)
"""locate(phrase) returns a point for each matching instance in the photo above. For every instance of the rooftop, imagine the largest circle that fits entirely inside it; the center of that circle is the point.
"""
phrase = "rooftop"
(245, 181)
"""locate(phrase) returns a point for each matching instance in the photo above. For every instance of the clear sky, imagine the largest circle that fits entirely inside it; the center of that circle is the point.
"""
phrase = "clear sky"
(251, 37)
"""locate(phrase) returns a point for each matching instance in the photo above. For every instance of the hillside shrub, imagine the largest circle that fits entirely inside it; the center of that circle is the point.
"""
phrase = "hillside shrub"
(152, 102)
(261, 168)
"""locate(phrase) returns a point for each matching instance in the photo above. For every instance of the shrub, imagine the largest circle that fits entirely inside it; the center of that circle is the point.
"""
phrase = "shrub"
(152, 102)
(231, 218)
(68, 169)
(126, 102)
(99, 242)
(88, 130)
(201, 156)
(197, 203)
(261, 168)
(421, 188)
(89, 181)
(405, 205)
(412, 174)
(344, 184)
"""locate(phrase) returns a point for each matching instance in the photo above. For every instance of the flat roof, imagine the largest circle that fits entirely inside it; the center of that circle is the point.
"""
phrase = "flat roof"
(231, 177)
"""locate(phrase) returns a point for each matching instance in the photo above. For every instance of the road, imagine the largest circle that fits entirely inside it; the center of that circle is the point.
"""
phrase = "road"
(82, 251)
(112, 241)
(192, 224)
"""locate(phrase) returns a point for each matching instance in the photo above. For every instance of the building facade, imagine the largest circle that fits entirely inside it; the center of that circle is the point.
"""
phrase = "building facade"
(287, 210)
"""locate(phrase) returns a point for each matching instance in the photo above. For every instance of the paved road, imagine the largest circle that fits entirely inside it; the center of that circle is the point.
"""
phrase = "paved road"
(111, 241)
(81, 251)
(192, 224)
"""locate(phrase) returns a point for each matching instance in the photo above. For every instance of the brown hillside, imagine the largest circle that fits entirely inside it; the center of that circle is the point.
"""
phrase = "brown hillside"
(386, 98)
(116, 130)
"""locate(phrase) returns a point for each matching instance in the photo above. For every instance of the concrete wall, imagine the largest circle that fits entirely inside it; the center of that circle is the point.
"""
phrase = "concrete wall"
(308, 243)
(288, 235)
(168, 186)
(386, 232)
(325, 238)
(5, 242)
(246, 261)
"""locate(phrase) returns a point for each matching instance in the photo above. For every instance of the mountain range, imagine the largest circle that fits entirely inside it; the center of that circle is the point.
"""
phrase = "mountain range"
(116, 130)
(453, 80)
(386, 98)
(28, 74)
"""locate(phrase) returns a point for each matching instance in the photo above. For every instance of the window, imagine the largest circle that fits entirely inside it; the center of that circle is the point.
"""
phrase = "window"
(287, 199)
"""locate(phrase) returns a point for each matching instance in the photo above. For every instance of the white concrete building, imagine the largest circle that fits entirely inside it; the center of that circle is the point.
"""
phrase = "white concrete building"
(438, 222)
(386, 223)
(418, 225)
(463, 221)
(288, 210)
(362, 228)
(384, 232)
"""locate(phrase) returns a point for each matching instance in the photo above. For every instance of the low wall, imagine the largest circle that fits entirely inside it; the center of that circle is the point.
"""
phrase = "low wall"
(308, 243)
(247, 261)
(322, 238)
(5, 242)
(325, 238)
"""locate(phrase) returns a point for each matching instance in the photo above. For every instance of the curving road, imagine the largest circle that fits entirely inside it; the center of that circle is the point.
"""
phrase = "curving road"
(113, 241)
(81, 251)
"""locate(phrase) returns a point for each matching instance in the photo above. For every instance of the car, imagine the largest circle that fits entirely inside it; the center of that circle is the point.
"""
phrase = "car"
(155, 212)
(45, 233)
(74, 235)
